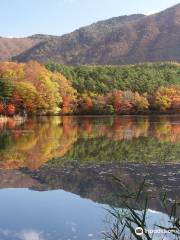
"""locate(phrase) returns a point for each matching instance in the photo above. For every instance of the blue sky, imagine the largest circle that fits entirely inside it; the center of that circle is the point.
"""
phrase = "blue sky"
(27, 17)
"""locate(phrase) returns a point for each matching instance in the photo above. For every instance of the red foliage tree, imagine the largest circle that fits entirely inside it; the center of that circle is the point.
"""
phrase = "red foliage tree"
(1, 108)
(67, 104)
(88, 104)
(10, 109)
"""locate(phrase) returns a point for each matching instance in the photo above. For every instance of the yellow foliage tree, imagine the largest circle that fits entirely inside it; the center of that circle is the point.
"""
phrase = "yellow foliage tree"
(163, 98)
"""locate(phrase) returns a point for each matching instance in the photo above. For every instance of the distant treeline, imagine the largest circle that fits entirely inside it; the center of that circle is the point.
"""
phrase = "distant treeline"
(32, 88)
(143, 78)
(121, 89)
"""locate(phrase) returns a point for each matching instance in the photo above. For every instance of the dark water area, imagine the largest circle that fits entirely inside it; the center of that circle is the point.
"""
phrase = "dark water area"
(57, 173)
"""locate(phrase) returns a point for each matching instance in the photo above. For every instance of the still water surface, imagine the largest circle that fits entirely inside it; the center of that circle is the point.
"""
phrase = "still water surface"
(54, 172)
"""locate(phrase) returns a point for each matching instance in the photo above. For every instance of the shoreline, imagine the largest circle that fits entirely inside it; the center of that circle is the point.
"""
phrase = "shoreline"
(17, 118)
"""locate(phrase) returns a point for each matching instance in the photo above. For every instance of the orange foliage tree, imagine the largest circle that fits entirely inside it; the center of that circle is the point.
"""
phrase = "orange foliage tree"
(37, 90)
(117, 100)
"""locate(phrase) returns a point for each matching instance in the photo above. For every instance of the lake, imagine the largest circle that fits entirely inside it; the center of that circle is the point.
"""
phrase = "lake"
(57, 173)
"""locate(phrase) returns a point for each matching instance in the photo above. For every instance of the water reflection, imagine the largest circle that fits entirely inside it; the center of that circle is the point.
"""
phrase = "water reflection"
(88, 140)
(34, 143)
(96, 182)
(48, 215)
(56, 172)
(69, 202)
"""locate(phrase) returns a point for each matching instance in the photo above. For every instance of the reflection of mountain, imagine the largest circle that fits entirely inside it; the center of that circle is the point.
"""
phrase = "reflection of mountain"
(89, 140)
(16, 179)
(96, 183)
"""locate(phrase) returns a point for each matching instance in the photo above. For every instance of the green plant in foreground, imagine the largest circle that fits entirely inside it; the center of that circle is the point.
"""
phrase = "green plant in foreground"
(128, 220)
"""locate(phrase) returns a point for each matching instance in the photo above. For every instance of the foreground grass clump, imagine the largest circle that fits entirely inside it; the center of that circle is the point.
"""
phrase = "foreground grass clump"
(131, 223)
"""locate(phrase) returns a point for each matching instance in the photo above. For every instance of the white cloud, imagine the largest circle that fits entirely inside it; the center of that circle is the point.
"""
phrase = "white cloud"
(21, 235)
(9, 37)
(30, 235)
(13, 37)
(152, 12)
(4, 232)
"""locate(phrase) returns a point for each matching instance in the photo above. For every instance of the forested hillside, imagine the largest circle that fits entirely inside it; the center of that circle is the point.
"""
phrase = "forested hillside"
(121, 40)
(10, 47)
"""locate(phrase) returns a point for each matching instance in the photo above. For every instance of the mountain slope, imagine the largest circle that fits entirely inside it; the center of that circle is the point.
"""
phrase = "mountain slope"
(14, 46)
(121, 40)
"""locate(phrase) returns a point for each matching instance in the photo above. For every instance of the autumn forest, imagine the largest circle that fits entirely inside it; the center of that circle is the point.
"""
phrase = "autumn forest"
(34, 89)
(89, 120)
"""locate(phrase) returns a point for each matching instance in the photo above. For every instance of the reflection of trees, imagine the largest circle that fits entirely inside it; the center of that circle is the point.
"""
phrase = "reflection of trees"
(125, 139)
(128, 128)
(167, 131)
(118, 129)
(102, 150)
(35, 143)
(92, 139)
